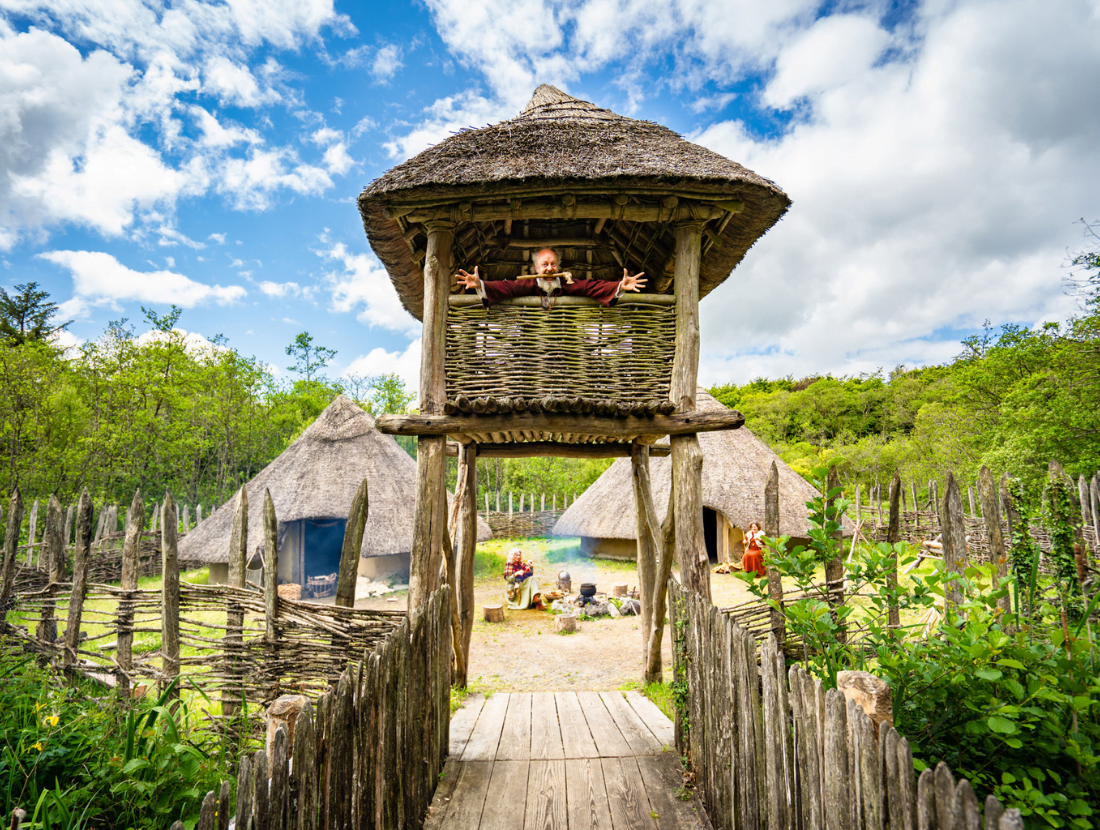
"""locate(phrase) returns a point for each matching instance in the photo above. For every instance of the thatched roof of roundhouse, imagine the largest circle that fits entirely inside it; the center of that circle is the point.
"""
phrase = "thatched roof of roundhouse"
(559, 145)
(735, 470)
(316, 478)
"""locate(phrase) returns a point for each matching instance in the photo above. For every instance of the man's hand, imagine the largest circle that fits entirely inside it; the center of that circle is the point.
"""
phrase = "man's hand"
(469, 280)
(629, 283)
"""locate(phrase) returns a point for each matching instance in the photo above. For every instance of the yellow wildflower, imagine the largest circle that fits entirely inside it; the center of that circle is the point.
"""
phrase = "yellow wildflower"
(52, 721)
(38, 745)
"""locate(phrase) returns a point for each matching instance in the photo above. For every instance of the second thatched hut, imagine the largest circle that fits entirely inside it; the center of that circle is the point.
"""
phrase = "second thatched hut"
(735, 470)
(312, 484)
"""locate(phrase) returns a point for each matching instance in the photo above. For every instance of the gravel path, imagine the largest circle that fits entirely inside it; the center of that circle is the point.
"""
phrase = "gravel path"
(525, 654)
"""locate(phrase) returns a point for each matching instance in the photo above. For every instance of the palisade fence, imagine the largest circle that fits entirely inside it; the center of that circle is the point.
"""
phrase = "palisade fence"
(772, 750)
(369, 755)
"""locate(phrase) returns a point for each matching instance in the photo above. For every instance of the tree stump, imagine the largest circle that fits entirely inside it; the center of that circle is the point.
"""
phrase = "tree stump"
(870, 693)
(283, 712)
(564, 623)
(619, 589)
(493, 613)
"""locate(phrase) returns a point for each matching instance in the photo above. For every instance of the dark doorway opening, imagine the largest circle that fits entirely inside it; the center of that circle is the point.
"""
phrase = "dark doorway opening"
(321, 542)
(710, 533)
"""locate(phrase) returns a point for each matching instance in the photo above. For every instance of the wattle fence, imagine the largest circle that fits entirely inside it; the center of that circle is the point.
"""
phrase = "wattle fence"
(772, 750)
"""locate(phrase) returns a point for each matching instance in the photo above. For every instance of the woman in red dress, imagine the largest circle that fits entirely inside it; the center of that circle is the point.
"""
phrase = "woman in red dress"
(753, 560)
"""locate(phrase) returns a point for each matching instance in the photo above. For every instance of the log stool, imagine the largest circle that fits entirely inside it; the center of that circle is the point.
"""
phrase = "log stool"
(619, 589)
(565, 623)
(493, 613)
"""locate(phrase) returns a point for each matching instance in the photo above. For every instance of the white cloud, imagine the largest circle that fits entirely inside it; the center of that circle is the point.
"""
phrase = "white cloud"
(234, 84)
(100, 279)
(217, 237)
(378, 361)
(251, 181)
(285, 289)
(192, 341)
(361, 284)
(387, 60)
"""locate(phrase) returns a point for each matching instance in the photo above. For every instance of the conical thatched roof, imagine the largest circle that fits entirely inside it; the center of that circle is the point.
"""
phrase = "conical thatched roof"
(316, 478)
(560, 144)
(735, 470)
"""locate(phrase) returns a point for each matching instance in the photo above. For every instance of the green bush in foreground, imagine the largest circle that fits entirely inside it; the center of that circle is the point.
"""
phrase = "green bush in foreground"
(76, 755)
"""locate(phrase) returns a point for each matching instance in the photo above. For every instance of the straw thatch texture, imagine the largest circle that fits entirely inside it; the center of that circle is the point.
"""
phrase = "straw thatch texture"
(560, 145)
(316, 478)
(735, 470)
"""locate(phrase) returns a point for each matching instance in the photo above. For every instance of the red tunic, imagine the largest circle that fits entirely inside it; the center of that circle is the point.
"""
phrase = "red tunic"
(603, 291)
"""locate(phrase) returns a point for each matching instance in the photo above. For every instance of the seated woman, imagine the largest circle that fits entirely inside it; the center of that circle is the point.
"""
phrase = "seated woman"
(753, 560)
(523, 587)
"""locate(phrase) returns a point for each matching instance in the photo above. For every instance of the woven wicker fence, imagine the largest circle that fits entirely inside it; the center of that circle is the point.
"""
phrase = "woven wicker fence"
(576, 354)
(771, 748)
(531, 525)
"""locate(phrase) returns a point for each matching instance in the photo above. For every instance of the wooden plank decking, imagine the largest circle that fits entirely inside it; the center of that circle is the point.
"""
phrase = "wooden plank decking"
(562, 760)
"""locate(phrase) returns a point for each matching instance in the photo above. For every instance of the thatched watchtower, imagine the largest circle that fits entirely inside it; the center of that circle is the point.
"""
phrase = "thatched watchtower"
(608, 193)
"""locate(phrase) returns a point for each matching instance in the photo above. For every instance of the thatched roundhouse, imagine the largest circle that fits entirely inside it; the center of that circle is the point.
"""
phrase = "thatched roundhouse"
(571, 153)
(312, 484)
(735, 470)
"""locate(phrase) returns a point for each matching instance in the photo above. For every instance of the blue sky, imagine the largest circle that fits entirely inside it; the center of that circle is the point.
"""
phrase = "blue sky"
(209, 154)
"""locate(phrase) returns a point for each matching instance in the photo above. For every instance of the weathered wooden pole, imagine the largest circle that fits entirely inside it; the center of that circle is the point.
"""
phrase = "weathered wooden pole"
(54, 560)
(771, 529)
(1083, 499)
(687, 456)
(81, 551)
(170, 594)
(351, 551)
(646, 544)
(834, 568)
(970, 496)
(271, 568)
(465, 546)
(430, 521)
(660, 595)
(234, 613)
(991, 511)
(66, 534)
(11, 544)
(32, 527)
(135, 525)
(893, 536)
(1094, 497)
(954, 539)
(456, 656)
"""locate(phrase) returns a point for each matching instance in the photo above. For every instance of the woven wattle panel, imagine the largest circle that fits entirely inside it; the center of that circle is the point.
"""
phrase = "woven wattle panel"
(621, 354)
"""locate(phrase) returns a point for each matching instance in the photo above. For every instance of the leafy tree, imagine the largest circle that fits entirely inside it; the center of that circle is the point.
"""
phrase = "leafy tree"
(309, 358)
(28, 315)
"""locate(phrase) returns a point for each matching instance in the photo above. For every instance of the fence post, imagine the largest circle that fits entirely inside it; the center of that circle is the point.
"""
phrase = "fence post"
(234, 614)
(32, 526)
(771, 529)
(987, 492)
(350, 552)
(11, 543)
(156, 517)
(170, 594)
(465, 547)
(271, 567)
(1083, 498)
(1094, 497)
(834, 568)
(54, 559)
(970, 494)
(135, 524)
(954, 539)
(893, 536)
(81, 551)
(67, 530)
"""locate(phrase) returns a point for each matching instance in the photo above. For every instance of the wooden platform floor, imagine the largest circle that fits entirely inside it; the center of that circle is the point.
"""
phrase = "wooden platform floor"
(561, 760)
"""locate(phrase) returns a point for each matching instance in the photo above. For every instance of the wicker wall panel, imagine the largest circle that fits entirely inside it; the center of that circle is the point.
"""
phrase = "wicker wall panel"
(621, 354)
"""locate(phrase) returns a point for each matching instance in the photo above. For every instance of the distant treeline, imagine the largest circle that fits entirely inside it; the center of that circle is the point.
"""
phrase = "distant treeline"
(1012, 399)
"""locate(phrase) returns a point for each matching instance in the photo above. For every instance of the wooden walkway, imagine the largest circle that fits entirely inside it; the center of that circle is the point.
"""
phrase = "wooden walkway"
(561, 760)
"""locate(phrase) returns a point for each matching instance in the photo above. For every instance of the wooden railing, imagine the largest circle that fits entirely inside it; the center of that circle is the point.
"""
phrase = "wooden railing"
(770, 748)
(577, 354)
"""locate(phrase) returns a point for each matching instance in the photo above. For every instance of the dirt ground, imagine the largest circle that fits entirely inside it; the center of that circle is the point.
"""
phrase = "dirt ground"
(525, 654)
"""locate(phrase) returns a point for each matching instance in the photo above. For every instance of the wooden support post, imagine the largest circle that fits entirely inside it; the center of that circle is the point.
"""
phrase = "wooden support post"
(466, 547)
(11, 544)
(771, 529)
(954, 539)
(53, 558)
(653, 670)
(1094, 498)
(991, 511)
(970, 495)
(645, 530)
(893, 536)
(82, 550)
(135, 524)
(271, 568)
(66, 535)
(430, 520)
(351, 551)
(234, 613)
(687, 456)
(1083, 499)
(170, 594)
(834, 568)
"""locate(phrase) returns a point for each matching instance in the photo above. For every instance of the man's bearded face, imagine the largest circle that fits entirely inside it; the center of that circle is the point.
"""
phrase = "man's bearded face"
(546, 262)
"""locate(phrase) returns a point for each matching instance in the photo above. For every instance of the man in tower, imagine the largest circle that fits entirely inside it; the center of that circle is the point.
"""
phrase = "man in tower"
(550, 284)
